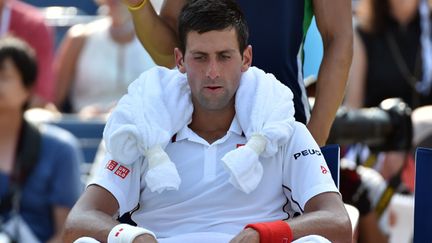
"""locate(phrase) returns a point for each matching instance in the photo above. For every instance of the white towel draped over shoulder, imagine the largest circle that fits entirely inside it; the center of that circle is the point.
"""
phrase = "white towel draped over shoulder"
(265, 110)
(158, 105)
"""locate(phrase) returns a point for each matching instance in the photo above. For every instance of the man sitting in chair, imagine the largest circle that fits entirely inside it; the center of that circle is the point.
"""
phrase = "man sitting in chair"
(295, 198)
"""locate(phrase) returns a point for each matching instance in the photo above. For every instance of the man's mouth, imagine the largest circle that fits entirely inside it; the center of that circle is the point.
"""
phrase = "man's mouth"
(214, 87)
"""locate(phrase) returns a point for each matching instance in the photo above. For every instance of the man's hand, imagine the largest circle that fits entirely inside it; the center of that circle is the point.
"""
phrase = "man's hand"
(145, 238)
(248, 235)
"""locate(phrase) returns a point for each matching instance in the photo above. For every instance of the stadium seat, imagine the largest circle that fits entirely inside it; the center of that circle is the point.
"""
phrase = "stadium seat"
(87, 6)
(88, 132)
(61, 18)
(423, 196)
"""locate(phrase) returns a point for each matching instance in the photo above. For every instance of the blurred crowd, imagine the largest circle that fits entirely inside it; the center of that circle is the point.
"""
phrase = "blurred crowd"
(83, 71)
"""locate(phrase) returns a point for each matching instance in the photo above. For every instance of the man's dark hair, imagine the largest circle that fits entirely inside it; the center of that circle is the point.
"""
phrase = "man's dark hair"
(22, 56)
(207, 15)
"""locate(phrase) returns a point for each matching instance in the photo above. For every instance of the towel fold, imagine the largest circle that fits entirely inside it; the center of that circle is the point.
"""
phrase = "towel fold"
(161, 167)
(265, 110)
(146, 118)
(265, 106)
(243, 164)
(158, 104)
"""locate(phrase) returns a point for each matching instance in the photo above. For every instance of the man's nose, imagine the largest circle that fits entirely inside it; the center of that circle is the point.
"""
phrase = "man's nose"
(213, 71)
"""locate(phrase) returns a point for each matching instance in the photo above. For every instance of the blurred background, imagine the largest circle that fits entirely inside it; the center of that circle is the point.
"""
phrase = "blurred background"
(383, 119)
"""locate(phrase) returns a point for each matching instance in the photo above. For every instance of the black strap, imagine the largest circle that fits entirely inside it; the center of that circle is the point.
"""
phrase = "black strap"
(28, 151)
(392, 186)
(412, 78)
(386, 196)
(27, 155)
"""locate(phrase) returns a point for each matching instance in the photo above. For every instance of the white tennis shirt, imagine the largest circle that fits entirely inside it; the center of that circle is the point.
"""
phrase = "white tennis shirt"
(206, 201)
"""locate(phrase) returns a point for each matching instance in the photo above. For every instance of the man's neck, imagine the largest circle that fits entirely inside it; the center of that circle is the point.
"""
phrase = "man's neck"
(211, 125)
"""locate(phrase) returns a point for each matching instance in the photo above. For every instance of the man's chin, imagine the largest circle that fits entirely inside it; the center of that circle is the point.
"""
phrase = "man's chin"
(212, 106)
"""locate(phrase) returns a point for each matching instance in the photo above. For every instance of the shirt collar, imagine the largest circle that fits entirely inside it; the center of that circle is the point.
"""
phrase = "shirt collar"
(187, 133)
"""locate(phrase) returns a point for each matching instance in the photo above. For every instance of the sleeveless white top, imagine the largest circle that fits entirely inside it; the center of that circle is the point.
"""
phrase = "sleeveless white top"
(106, 68)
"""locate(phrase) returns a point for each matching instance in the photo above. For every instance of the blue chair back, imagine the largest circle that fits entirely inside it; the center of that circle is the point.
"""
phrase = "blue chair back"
(331, 154)
(423, 196)
(88, 132)
(87, 6)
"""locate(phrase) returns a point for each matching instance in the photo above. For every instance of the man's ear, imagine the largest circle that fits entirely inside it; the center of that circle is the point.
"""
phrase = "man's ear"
(247, 58)
(179, 59)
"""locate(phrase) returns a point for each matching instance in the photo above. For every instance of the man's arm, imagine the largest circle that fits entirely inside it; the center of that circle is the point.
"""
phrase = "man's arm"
(92, 215)
(66, 62)
(357, 77)
(334, 22)
(157, 33)
(324, 215)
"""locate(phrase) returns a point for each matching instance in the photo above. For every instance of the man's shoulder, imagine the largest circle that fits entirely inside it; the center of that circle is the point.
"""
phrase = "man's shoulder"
(300, 139)
(299, 128)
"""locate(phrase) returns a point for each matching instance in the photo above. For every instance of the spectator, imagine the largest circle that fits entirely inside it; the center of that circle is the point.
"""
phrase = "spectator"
(214, 56)
(26, 22)
(39, 174)
(97, 61)
(278, 29)
(390, 58)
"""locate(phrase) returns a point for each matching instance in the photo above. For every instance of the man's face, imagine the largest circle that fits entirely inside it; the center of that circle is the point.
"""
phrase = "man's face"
(213, 65)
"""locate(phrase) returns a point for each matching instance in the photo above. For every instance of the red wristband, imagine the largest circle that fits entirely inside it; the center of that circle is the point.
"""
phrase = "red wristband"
(273, 232)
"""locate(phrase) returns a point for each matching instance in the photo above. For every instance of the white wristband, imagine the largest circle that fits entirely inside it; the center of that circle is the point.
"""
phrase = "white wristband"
(125, 233)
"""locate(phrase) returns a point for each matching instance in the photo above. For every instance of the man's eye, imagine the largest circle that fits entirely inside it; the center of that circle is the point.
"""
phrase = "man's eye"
(226, 57)
(199, 58)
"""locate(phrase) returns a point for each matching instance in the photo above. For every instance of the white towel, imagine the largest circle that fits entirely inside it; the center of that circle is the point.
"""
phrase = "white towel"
(145, 120)
(152, 112)
(265, 110)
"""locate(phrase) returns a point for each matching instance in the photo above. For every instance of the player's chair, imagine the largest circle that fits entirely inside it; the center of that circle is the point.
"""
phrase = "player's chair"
(331, 154)
(423, 196)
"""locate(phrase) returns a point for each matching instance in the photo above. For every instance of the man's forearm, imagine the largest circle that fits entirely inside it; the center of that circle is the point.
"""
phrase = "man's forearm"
(93, 224)
(335, 228)
(157, 37)
(331, 84)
